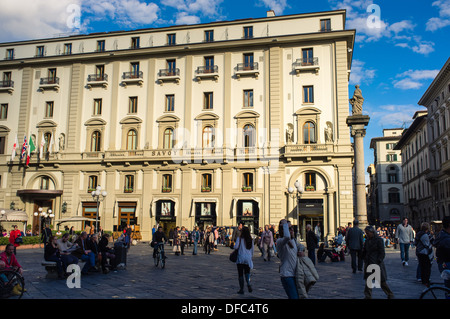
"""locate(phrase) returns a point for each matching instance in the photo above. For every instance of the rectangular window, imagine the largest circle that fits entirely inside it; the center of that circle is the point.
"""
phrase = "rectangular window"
(45, 183)
(3, 111)
(171, 67)
(49, 109)
(135, 42)
(100, 45)
(134, 70)
(129, 184)
(307, 56)
(170, 103)
(325, 25)
(92, 183)
(9, 54)
(51, 76)
(308, 94)
(247, 185)
(209, 36)
(248, 98)
(391, 157)
(97, 107)
(171, 39)
(208, 101)
(40, 51)
(248, 61)
(2, 144)
(248, 32)
(310, 182)
(394, 198)
(167, 183)
(99, 72)
(67, 48)
(209, 64)
(206, 182)
(132, 108)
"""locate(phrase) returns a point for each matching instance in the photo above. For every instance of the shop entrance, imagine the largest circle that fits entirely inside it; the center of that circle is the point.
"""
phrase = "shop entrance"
(248, 214)
(310, 212)
(165, 216)
(205, 215)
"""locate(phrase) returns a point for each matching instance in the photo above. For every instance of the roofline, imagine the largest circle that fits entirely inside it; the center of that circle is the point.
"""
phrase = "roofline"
(407, 133)
(181, 27)
(444, 70)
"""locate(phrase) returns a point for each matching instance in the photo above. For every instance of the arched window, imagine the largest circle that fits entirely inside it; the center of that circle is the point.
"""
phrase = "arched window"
(208, 137)
(309, 133)
(249, 135)
(95, 141)
(45, 182)
(168, 138)
(131, 140)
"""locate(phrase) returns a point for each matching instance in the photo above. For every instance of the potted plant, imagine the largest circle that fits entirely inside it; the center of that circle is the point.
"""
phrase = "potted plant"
(310, 188)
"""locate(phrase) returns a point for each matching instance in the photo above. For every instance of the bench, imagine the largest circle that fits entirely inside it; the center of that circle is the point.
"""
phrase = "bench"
(51, 268)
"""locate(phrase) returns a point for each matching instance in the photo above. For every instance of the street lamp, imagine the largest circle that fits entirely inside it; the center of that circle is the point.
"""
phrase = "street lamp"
(299, 188)
(96, 196)
(40, 215)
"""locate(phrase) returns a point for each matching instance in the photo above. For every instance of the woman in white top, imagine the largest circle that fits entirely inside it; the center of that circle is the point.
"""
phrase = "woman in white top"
(244, 262)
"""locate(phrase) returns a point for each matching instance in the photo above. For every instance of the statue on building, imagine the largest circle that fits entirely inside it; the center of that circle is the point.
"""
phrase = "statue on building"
(61, 142)
(290, 134)
(329, 133)
(357, 101)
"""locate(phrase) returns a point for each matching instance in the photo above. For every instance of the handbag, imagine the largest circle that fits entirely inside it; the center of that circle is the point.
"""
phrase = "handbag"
(234, 255)
(18, 240)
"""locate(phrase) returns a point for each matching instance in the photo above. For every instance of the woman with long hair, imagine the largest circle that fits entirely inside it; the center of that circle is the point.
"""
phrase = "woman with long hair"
(244, 245)
(288, 251)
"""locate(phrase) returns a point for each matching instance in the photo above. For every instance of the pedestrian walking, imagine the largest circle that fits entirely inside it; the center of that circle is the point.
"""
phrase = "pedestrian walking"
(176, 241)
(288, 251)
(374, 253)
(195, 236)
(355, 241)
(266, 243)
(209, 240)
(244, 263)
(442, 244)
(311, 243)
(424, 253)
(15, 238)
(405, 236)
(46, 234)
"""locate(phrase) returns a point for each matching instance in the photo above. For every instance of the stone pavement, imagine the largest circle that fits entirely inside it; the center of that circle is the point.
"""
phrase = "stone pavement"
(212, 277)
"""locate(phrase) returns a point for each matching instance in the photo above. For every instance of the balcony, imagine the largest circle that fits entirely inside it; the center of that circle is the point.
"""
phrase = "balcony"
(308, 151)
(207, 72)
(247, 69)
(50, 83)
(133, 77)
(169, 75)
(309, 64)
(7, 86)
(97, 80)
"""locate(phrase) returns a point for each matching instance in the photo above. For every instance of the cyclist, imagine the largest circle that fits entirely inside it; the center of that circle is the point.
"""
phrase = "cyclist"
(158, 237)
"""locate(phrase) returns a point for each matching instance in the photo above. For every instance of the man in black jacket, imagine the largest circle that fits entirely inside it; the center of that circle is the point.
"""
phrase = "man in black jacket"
(311, 243)
(354, 241)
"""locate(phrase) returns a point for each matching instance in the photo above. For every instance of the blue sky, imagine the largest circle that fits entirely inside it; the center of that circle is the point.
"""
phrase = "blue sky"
(395, 57)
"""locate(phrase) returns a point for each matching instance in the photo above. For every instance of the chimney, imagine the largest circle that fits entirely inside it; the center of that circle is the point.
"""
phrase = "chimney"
(270, 13)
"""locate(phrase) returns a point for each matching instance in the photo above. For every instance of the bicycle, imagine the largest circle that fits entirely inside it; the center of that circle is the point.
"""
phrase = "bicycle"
(160, 258)
(8, 280)
(435, 291)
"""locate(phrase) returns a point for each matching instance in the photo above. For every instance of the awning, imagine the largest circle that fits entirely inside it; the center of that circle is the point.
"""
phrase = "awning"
(201, 200)
(13, 215)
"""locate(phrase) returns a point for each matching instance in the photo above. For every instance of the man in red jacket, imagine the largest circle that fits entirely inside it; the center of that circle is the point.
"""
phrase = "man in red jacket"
(10, 260)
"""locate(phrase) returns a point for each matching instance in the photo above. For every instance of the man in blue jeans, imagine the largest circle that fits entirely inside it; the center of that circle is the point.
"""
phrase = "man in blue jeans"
(84, 254)
(405, 237)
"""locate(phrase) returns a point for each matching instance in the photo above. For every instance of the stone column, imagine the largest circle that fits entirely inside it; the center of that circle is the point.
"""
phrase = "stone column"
(357, 125)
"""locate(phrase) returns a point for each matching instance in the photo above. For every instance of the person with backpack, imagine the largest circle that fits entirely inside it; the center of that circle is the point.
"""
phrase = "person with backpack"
(424, 252)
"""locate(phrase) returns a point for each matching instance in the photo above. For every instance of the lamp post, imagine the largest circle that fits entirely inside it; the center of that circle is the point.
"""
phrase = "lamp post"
(299, 188)
(40, 215)
(96, 196)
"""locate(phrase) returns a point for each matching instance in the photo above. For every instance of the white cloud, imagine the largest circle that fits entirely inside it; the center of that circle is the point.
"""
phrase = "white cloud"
(278, 6)
(360, 74)
(413, 79)
(393, 115)
(185, 18)
(34, 19)
(435, 23)
(423, 48)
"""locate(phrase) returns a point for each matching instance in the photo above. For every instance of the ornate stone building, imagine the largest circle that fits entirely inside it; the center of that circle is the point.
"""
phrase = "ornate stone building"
(183, 125)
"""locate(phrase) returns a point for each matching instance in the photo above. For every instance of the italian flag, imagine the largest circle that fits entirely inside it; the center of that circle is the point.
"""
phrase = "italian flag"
(30, 149)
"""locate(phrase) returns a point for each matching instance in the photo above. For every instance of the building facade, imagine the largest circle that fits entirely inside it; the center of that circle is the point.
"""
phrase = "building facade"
(415, 167)
(386, 191)
(203, 124)
(437, 101)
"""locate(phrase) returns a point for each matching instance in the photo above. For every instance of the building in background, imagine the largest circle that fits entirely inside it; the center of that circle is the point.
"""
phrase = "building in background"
(206, 124)
(386, 191)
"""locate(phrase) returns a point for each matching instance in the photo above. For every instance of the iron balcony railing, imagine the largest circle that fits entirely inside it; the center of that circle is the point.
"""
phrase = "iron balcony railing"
(7, 84)
(306, 62)
(169, 72)
(247, 66)
(133, 75)
(207, 69)
(97, 77)
(49, 80)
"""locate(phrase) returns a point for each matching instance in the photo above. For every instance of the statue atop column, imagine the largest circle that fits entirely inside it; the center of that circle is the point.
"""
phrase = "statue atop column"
(357, 101)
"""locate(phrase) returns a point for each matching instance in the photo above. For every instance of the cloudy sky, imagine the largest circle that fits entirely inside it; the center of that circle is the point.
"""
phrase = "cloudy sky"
(400, 45)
